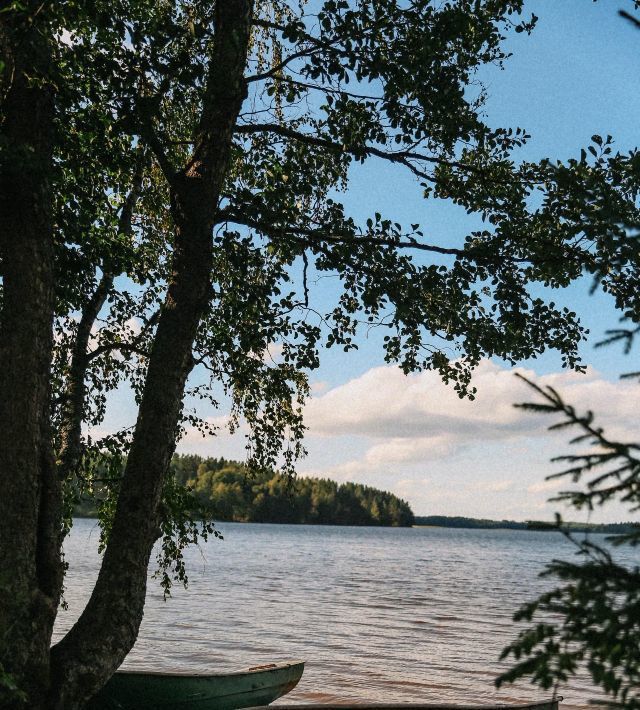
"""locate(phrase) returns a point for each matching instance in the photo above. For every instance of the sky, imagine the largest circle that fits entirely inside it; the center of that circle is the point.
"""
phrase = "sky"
(575, 76)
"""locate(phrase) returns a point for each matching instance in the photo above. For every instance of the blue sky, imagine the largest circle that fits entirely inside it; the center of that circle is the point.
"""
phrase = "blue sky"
(576, 75)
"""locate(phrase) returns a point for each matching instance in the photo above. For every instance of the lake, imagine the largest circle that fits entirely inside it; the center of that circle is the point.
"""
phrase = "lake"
(379, 614)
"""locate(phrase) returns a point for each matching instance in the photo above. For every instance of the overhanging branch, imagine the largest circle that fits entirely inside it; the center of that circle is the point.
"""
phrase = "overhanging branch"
(400, 157)
(313, 237)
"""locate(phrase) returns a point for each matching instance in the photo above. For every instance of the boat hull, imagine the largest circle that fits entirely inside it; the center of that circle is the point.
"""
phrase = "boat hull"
(552, 704)
(161, 691)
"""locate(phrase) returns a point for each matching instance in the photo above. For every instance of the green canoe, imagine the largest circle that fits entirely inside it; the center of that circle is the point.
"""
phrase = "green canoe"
(220, 691)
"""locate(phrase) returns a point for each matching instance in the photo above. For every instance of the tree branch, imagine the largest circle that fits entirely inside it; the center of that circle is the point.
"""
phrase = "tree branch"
(122, 347)
(70, 450)
(281, 65)
(151, 138)
(401, 157)
(315, 236)
(634, 20)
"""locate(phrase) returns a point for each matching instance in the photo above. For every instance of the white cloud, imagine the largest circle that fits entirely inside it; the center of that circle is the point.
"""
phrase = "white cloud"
(317, 388)
(273, 353)
(548, 486)
(413, 436)
(96, 433)
(406, 449)
(193, 435)
(386, 405)
(134, 326)
(491, 486)
(65, 37)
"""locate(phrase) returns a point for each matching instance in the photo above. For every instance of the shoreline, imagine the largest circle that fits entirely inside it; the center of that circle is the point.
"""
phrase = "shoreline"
(451, 521)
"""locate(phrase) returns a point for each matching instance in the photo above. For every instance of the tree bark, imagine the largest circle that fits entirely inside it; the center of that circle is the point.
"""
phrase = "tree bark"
(30, 503)
(103, 635)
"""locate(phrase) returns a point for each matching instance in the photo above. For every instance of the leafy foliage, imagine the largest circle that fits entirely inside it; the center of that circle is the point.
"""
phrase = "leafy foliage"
(186, 519)
(280, 223)
(186, 522)
(378, 81)
(592, 620)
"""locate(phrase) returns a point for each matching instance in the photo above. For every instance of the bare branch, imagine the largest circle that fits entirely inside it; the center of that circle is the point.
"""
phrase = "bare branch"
(633, 20)
(275, 70)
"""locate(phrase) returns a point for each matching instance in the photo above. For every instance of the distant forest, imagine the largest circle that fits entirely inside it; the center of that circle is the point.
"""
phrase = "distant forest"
(447, 521)
(268, 497)
(230, 493)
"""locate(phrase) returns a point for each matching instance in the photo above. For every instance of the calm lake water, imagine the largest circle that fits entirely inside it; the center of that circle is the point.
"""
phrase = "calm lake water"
(379, 614)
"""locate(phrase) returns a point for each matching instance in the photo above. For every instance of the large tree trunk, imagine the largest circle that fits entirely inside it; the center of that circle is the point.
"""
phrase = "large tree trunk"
(30, 500)
(104, 634)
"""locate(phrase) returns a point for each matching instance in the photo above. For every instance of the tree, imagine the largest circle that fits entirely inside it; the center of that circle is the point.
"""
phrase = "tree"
(170, 175)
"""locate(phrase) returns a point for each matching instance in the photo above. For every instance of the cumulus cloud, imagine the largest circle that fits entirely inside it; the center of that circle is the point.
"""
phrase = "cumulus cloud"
(548, 486)
(412, 435)
(95, 433)
(417, 416)
(406, 449)
(490, 486)
(272, 353)
(65, 37)
(318, 387)
(219, 424)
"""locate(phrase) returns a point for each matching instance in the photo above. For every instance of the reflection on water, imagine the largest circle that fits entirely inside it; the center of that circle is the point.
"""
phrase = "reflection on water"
(393, 615)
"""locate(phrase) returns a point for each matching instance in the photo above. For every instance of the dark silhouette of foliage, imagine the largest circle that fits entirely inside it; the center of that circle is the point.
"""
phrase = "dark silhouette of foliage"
(592, 620)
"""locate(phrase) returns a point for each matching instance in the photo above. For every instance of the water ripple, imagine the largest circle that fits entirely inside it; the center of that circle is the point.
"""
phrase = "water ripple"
(380, 615)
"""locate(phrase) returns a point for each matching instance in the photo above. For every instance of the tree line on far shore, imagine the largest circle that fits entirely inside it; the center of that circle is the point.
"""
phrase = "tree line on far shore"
(226, 491)
(233, 494)
(447, 521)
